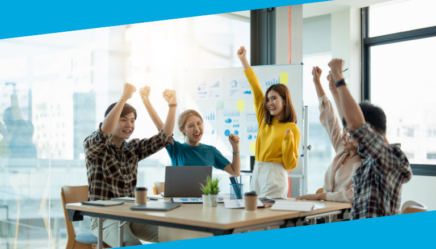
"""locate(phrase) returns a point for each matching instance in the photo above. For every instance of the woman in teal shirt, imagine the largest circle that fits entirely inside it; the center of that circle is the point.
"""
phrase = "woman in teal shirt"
(192, 152)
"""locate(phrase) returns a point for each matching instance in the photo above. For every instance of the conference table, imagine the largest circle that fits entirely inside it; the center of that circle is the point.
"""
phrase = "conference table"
(195, 220)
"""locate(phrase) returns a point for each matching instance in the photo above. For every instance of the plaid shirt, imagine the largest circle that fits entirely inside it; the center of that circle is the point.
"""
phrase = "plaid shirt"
(113, 172)
(378, 181)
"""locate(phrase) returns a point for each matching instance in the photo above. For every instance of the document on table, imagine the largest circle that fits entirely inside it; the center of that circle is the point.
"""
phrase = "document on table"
(186, 200)
(228, 203)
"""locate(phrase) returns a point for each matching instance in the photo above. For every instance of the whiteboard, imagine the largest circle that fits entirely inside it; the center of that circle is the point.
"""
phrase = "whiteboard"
(199, 91)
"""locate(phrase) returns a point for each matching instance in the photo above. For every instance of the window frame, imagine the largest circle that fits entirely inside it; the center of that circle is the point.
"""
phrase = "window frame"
(368, 42)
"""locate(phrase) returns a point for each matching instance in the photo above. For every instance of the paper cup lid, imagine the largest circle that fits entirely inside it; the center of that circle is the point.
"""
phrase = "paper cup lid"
(141, 189)
(253, 193)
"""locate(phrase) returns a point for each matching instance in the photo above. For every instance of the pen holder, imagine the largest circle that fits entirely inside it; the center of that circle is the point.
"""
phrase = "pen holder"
(236, 191)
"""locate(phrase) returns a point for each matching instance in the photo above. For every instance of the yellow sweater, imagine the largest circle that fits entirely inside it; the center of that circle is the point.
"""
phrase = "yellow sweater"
(272, 145)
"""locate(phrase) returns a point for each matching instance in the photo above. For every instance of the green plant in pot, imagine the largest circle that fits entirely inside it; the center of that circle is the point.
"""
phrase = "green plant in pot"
(214, 190)
(206, 193)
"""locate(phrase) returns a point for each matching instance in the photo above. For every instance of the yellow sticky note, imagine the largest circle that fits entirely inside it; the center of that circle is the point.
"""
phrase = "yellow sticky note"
(254, 108)
(284, 78)
(241, 105)
(252, 147)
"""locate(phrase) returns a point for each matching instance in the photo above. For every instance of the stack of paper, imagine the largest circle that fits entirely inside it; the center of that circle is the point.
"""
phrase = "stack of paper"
(293, 206)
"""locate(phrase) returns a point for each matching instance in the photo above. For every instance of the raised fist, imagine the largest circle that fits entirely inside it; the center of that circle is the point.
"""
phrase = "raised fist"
(170, 96)
(144, 93)
(128, 91)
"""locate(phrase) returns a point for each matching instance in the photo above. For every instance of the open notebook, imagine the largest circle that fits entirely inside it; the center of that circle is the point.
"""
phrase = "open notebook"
(291, 205)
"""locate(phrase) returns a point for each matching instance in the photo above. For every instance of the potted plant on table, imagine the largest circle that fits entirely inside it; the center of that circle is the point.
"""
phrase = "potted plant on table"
(206, 192)
(214, 190)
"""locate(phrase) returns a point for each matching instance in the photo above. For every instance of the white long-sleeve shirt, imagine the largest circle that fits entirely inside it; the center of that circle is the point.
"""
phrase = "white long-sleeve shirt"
(337, 182)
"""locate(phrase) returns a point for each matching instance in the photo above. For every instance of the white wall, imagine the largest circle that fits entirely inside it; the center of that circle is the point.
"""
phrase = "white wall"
(317, 32)
(346, 45)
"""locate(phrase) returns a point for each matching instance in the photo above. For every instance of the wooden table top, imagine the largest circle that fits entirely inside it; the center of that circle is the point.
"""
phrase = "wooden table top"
(211, 217)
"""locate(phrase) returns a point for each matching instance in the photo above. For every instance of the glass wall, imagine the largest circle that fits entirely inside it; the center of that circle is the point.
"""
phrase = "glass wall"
(54, 90)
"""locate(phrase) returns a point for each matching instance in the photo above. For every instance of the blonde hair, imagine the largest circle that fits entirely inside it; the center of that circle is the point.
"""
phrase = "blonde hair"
(181, 122)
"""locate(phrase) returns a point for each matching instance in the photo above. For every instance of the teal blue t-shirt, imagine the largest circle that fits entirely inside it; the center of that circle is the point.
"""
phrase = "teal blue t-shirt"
(202, 155)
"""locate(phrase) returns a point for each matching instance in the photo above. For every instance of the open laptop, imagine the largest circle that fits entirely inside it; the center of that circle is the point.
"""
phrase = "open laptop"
(184, 181)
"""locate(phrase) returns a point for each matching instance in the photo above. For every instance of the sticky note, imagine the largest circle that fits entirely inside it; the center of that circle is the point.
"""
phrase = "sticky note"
(254, 108)
(284, 78)
(241, 105)
(219, 105)
(252, 147)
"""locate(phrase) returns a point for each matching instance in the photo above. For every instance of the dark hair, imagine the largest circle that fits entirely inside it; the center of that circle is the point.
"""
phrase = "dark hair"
(288, 109)
(126, 110)
(373, 115)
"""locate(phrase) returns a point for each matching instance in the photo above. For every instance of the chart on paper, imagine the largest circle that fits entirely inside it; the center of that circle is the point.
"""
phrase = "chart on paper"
(238, 88)
(232, 122)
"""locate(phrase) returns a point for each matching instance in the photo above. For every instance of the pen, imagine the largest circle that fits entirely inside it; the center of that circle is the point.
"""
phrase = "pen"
(345, 70)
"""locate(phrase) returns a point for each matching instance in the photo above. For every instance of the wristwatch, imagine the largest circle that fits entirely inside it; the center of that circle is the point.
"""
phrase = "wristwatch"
(340, 83)
(237, 153)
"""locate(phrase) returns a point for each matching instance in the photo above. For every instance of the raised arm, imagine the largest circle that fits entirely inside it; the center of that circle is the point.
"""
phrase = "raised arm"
(254, 84)
(145, 94)
(242, 55)
(335, 94)
(327, 115)
(171, 98)
(234, 168)
(316, 73)
(111, 120)
(349, 108)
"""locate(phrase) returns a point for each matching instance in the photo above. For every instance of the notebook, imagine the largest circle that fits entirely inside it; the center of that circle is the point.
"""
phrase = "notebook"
(288, 205)
(156, 206)
(103, 203)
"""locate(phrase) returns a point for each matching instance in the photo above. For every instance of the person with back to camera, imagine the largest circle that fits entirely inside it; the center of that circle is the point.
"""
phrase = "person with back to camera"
(278, 137)
(192, 152)
(379, 179)
(337, 182)
(112, 163)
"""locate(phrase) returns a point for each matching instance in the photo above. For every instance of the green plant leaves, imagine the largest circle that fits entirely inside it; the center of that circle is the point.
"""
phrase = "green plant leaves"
(211, 186)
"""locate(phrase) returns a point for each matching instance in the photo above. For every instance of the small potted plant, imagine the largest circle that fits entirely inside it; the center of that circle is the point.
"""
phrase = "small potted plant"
(206, 192)
(214, 190)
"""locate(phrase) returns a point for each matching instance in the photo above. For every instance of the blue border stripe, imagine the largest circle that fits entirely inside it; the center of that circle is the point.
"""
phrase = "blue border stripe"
(25, 18)
(399, 231)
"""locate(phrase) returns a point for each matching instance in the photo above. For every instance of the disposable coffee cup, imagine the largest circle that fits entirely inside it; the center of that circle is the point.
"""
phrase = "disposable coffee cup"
(250, 201)
(140, 195)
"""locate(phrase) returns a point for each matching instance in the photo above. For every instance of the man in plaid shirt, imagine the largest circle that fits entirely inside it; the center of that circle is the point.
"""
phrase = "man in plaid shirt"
(378, 181)
(112, 163)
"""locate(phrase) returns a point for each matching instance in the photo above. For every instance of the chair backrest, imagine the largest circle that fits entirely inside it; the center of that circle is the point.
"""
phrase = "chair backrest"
(320, 190)
(72, 194)
(413, 207)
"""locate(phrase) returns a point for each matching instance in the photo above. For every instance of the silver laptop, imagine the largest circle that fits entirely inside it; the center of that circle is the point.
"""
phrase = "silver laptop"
(184, 181)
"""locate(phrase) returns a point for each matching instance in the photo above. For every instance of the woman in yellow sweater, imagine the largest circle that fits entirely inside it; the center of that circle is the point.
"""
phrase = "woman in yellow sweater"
(278, 137)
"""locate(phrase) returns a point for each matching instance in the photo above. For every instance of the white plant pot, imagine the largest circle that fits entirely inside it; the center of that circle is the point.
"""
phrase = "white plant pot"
(206, 200)
(213, 200)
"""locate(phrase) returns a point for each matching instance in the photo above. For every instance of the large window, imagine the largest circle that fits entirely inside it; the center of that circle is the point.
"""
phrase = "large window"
(399, 57)
(401, 15)
(54, 90)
